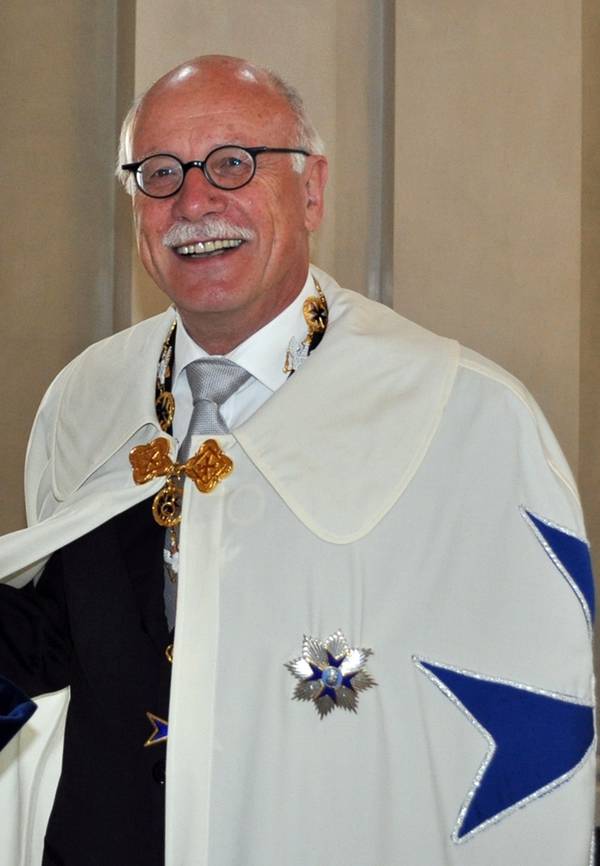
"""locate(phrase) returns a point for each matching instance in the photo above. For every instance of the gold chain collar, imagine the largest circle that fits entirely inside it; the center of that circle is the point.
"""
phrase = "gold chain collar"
(209, 466)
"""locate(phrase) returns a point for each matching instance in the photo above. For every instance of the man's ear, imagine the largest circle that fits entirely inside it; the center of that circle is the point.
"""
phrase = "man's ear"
(315, 178)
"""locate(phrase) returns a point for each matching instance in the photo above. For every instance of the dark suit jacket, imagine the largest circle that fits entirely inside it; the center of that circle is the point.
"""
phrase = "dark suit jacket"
(95, 621)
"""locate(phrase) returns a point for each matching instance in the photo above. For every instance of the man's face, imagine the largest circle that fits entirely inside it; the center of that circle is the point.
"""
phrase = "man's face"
(225, 296)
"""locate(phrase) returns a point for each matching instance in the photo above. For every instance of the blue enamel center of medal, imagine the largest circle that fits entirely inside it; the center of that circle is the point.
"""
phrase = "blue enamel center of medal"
(332, 677)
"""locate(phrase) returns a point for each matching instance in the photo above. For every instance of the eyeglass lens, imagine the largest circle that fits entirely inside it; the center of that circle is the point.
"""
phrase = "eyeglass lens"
(225, 167)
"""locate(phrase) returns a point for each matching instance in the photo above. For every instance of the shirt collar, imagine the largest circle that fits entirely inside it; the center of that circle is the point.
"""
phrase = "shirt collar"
(262, 354)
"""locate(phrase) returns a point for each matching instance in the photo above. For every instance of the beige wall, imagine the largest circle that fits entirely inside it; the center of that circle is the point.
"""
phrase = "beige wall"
(488, 189)
(56, 244)
(497, 198)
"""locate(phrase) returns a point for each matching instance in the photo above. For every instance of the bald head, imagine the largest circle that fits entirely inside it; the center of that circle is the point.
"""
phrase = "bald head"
(215, 70)
(220, 74)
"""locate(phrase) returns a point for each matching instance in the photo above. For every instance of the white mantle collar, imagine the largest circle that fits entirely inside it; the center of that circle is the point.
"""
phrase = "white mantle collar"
(342, 440)
(107, 398)
(358, 416)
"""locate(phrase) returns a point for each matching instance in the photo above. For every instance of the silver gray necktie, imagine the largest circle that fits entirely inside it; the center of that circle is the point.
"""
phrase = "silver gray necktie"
(212, 382)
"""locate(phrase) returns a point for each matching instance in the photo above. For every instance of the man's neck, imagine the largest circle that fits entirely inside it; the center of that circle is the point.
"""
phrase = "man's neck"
(219, 333)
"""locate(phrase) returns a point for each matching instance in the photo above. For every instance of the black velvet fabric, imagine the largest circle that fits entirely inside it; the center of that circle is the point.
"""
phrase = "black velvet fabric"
(95, 621)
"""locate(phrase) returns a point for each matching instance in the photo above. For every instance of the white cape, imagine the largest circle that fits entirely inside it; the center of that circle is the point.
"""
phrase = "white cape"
(382, 491)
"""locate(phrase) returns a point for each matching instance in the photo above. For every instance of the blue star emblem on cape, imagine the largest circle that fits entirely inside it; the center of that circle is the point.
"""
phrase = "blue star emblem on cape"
(571, 555)
(536, 740)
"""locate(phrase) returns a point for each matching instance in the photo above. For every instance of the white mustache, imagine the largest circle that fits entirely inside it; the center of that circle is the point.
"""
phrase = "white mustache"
(206, 230)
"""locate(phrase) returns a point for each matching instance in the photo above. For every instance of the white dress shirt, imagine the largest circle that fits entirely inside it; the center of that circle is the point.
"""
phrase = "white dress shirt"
(262, 355)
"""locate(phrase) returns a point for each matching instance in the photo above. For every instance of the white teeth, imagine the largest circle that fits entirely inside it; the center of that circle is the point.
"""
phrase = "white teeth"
(208, 246)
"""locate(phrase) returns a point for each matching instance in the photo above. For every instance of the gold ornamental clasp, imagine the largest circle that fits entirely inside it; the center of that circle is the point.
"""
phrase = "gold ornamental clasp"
(207, 468)
(151, 460)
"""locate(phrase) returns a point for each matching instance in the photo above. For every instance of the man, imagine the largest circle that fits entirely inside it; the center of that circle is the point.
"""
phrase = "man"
(338, 581)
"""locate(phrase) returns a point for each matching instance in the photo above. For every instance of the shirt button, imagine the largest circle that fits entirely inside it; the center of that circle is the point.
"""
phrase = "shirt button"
(159, 772)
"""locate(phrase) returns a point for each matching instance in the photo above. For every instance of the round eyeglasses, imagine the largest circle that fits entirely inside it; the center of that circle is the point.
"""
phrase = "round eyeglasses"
(226, 167)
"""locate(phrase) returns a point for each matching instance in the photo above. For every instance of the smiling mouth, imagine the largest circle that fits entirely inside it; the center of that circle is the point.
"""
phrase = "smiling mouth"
(209, 248)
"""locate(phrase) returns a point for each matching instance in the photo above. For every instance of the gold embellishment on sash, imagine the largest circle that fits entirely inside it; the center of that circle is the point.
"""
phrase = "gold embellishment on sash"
(164, 400)
(166, 505)
(151, 460)
(165, 409)
(207, 468)
(315, 314)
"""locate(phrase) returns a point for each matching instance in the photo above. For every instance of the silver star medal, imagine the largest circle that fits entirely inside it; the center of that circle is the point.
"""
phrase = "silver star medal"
(331, 673)
(163, 365)
(297, 353)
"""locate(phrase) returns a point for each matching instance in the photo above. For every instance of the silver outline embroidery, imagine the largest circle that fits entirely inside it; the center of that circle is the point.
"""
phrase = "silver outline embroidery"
(525, 512)
(570, 699)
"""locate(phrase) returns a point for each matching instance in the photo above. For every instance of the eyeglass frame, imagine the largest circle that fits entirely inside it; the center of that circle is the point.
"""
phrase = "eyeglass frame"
(201, 163)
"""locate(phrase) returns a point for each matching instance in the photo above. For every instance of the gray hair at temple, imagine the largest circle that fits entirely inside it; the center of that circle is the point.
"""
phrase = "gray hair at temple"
(307, 136)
